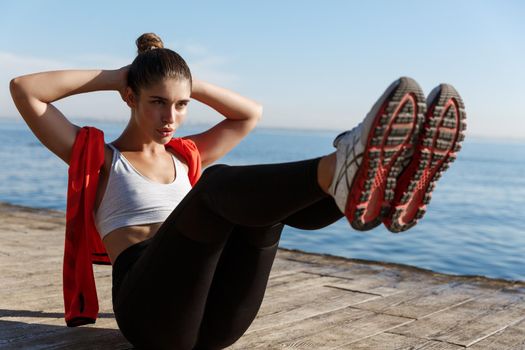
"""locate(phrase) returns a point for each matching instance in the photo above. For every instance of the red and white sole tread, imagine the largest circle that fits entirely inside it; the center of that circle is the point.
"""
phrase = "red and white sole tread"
(391, 138)
(439, 141)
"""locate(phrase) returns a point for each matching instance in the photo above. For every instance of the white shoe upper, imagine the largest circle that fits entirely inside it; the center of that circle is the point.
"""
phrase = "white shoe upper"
(351, 146)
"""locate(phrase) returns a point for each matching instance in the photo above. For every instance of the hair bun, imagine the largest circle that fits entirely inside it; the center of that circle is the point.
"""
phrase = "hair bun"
(148, 41)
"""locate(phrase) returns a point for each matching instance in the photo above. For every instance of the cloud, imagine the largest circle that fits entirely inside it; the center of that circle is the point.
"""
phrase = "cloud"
(13, 65)
(95, 105)
(208, 68)
(205, 64)
(104, 104)
(100, 60)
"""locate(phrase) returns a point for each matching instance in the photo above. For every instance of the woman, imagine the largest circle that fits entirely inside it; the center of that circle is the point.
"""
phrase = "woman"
(190, 265)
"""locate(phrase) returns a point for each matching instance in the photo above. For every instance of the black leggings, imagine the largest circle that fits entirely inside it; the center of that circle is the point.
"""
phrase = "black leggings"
(199, 281)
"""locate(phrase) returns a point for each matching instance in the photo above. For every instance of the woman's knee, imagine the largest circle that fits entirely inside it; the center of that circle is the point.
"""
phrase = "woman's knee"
(259, 237)
(213, 170)
(211, 179)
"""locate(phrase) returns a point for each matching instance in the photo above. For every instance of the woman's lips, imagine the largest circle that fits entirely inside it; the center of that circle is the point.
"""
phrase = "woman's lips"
(165, 132)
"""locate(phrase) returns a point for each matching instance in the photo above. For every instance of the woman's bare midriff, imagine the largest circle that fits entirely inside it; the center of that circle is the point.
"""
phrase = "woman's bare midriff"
(118, 240)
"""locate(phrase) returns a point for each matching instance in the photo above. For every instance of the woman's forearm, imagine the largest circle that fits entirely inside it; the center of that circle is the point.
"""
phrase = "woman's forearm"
(51, 86)
(228, 103)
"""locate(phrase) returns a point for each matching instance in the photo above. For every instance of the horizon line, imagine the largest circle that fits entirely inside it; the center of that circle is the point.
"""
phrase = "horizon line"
(508, 138)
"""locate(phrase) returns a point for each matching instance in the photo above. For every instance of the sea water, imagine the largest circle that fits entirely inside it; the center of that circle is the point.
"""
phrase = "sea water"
(473, 225)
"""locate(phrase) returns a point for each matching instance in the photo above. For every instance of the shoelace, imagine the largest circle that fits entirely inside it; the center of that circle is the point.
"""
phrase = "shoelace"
(357, 159)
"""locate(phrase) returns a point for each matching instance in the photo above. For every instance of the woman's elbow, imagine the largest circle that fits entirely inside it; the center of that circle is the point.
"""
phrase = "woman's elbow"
(257, 115)
(251, 120)
(15, 88)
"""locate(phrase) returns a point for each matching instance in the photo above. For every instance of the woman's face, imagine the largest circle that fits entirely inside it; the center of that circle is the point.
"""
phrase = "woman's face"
(163, 106)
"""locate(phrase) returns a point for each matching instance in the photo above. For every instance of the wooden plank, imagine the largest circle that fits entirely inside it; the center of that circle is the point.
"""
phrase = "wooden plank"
(52, 334)
(389, 341)
(33, 300)
(395, 273)
(512, 337)
(290, 279)
(110, 339)
(368, 280)
(313, 301)
(419, 302)
(470, 322)
(280, 266)
(15, 329)
(300, 281)
(20, 298)
(322, 331)
(285, 308)
(89, 339)
(30, 279)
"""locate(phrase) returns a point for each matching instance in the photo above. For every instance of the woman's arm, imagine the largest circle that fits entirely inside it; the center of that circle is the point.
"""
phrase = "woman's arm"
(241, 113)
(33, 95)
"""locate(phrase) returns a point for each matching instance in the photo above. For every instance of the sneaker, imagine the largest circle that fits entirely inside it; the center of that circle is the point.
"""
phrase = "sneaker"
(438, 143)
(371, 155)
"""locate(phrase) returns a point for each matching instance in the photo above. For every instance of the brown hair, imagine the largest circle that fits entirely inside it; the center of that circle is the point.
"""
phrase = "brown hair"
(154, 62)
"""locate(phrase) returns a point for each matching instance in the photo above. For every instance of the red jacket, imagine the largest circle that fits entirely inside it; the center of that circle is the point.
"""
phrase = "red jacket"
(83, 245)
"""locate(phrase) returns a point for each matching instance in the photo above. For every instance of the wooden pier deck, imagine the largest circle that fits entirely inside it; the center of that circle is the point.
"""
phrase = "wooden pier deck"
(312, 302)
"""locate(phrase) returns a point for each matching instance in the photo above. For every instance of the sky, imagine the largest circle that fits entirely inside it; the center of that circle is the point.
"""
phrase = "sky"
(311, 64)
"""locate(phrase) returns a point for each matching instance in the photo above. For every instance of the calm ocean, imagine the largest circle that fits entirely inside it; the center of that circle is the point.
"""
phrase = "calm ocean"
(472, 226)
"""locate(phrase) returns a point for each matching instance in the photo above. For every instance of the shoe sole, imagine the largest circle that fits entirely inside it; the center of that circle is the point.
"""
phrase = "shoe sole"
(439, 141)
(399, 115)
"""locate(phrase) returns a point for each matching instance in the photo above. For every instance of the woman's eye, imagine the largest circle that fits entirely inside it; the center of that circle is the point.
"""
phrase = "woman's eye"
(159, 102)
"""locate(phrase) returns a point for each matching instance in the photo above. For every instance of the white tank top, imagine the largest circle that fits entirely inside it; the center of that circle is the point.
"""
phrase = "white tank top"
(132, 199)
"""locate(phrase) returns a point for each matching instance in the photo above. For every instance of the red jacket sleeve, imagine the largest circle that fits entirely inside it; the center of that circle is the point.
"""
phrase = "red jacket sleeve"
(81, 246)
(188, 149)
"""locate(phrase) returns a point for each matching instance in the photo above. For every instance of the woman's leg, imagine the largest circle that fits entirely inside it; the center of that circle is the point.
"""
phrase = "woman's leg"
(240, 280)
(239, 285)
(161, 300)
(317, 215)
